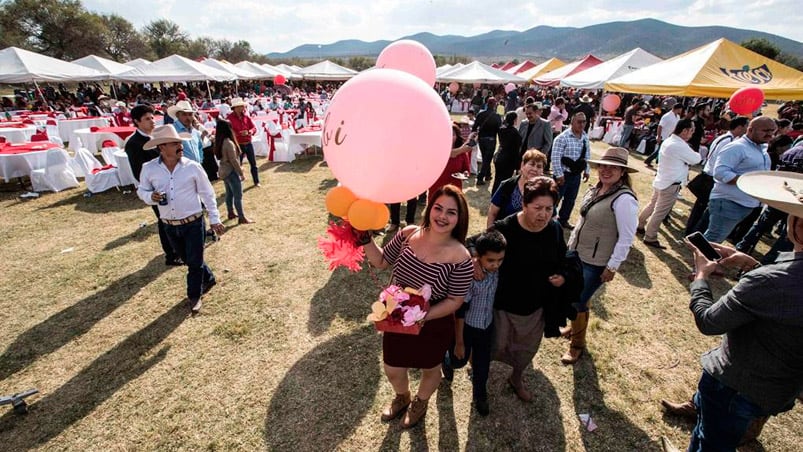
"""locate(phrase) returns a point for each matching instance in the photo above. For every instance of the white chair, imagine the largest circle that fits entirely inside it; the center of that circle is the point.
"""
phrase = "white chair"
(56, 175)
(260, 144)
(124, 170)
(108, 155)
(97, 179)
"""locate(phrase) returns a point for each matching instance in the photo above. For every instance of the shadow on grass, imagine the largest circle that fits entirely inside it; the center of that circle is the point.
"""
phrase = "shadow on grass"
(634, 270)
(138, 235)
(616, 432)
(345, 295)
(300, 165)
(62, 327)
(326, 184)
(92, 386)
(325, 395)
(102, 203)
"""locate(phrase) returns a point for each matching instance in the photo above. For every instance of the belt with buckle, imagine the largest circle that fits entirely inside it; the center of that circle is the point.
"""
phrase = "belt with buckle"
(187, 220)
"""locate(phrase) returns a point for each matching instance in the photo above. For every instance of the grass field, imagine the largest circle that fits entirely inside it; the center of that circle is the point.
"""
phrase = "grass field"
(281, 357)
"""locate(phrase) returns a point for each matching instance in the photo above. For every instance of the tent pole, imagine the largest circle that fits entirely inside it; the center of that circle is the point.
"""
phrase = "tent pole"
(36, 86)
(209, 90)
(114, 92)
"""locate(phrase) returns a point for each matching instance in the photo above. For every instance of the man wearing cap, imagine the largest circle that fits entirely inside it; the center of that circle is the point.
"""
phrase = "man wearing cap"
(178, 186)
(728, 205)
(142, 115)
(193, 145)
(665, 128)
(122, 118)
(244, 129)
(570, 154)
(535, 131)
(757, 370)
(487, 125)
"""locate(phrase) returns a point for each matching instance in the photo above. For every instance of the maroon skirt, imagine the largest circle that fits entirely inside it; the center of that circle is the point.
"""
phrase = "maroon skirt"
(423, 351)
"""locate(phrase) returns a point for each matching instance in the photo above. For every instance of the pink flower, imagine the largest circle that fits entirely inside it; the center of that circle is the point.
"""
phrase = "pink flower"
(412, 315)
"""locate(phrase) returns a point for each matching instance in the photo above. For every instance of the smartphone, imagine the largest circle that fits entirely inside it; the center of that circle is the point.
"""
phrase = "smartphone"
(471, 142)
(698, 240)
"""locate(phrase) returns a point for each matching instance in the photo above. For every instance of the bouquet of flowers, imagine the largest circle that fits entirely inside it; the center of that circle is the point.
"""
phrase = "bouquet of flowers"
(400, 310)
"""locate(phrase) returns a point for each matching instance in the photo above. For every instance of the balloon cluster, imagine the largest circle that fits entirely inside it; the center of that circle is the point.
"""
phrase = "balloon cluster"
(385, 151)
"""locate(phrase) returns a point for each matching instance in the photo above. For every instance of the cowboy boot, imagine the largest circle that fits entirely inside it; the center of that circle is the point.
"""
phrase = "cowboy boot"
(396, 407)
(578, 343)
(415, 413)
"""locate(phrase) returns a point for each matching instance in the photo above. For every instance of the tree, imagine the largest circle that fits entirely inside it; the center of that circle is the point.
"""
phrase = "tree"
(200, 47)
(122, 41)
(165, 37)
(762, 47)
(359, 63)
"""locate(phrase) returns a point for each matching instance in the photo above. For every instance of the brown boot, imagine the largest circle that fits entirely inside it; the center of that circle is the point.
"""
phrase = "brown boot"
(244, 220)
(685, 409)
(578, 343)
(396, 407)
(415, 413)
(232, 215)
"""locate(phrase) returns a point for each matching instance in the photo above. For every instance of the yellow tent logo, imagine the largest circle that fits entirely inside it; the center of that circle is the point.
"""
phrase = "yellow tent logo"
(758, 76)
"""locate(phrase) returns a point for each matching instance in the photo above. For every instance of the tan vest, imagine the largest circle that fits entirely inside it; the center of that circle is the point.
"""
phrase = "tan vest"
(597, 234)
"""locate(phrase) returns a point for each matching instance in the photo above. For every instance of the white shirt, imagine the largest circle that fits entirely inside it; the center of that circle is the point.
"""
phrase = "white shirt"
(625, 209)
(668, 122)
(718, 144)
(186, 187)
(674, 161)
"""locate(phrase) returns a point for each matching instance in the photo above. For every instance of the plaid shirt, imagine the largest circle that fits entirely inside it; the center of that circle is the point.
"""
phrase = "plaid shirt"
(480, 300)
(567, 144)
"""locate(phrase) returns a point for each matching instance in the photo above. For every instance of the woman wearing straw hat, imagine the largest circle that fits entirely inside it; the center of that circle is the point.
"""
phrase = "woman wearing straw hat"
(758, 368)
(602, 238)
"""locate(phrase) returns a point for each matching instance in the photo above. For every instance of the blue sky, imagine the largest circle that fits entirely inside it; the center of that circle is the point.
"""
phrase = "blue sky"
(280, 25)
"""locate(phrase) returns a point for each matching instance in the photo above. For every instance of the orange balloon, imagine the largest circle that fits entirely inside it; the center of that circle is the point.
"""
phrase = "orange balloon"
(338, 201)
(367, 215)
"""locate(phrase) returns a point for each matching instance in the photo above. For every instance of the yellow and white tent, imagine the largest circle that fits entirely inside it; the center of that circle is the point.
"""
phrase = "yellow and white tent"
(713, 70)
(548, 65)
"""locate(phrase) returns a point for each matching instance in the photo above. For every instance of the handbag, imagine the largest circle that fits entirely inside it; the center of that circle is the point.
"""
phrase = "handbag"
(701, 185)
(575, 166)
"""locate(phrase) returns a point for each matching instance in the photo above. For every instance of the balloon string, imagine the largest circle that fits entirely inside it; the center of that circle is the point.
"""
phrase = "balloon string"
(374, 278)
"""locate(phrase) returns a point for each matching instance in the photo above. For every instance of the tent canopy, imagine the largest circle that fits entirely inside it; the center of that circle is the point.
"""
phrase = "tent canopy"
(595, 77)
(242, 74)
(521, 67)
(713, 70)
(256, 69)
(548, 65)
(552, 78)
(174, 68)
(476, 72)
(22, 66)
(326, 70)
(139, 62)
(103, 65)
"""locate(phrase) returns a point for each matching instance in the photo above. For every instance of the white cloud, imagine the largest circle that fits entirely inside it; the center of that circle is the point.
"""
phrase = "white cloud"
(281, 25)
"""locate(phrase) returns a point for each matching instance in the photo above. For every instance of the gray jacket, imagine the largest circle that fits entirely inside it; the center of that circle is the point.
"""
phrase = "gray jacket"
(541, 136)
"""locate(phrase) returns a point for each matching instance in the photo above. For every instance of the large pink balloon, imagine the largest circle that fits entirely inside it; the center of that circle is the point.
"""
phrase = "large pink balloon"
(746, 100)
(611, 102)
(411, 57)
(392, 154)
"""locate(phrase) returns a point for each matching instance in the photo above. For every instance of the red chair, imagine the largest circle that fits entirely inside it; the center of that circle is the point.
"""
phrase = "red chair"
(28, 121)
(51, 122)
(40, 136)
(108, 144)
(2, 139)
(94, 128)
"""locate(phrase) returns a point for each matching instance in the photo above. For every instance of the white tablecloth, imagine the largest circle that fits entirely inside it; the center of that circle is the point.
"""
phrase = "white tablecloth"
(299, 142)
(67, 126)
(17, 134)
(124, 171)
(93, 140)
(19, 165)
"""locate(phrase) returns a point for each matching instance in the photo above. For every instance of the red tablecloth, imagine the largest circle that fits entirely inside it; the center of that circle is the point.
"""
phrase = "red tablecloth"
(83, 118)
(309, 129)
(13, 125)
(214, 112)
(122, 132)
(22, 148)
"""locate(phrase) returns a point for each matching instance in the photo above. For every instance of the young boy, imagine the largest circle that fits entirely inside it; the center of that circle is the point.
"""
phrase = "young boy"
(474, 329)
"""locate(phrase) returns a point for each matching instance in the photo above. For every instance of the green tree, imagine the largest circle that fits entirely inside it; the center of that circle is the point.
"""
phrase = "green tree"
(762, 46)
(165, 37)
(200, 47)
(234, 52)
(122, 42)
(361, 63)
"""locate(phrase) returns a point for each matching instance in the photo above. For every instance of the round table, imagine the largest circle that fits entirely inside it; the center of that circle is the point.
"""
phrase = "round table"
(67, 126)
(17, 134)
(91, 138)
(18, 160)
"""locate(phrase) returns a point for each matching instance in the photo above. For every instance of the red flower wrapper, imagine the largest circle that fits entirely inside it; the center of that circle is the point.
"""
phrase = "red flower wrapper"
(339, 247)
(400, 311)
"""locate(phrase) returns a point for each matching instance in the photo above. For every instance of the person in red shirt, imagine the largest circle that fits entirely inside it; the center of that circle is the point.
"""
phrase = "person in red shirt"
(244, 129)
(122, 117)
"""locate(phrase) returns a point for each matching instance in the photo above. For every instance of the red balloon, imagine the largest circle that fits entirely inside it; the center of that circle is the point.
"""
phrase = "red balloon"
(746, 100)
(279, 80)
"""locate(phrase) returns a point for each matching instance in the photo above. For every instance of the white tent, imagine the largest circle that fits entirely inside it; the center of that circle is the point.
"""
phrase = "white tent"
(241, 73)
(256, 69)
(22, 66)
(476, 72)
(275, 69)
(326, 70)
(440, 70)
(139, 62)
(286, 68)
(596, 76)
(103, 65)
(174, 68)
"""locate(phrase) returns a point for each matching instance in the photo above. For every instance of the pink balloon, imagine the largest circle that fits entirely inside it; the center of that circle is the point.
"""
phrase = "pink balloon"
(411, 57)
(453, 87)
(390, 155)
(611, 102)
(509, 87)
(746, 100)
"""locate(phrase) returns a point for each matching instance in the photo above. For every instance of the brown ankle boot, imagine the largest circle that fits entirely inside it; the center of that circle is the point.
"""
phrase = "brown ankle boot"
(415, 413)
(396, 407)
(578, 343)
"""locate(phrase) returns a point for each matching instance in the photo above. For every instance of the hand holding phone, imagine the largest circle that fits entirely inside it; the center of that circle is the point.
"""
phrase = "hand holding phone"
(704, 246)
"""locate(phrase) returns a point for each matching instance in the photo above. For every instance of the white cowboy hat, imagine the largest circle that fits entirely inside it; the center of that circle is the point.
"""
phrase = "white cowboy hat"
(585, 99)
(121, 104)
(614, 157)
(181, 106)
(238, 102)
(165, 134)
(782, 190)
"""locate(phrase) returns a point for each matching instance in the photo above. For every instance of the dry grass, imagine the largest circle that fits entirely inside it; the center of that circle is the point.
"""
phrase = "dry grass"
(281, 357)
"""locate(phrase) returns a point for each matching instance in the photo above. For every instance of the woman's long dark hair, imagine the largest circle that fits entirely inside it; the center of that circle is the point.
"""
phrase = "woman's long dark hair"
(223, 130)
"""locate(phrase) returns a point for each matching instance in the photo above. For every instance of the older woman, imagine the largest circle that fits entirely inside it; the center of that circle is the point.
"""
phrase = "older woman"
(602, 238)
(430, 254)
(529, 278)
(507, 199)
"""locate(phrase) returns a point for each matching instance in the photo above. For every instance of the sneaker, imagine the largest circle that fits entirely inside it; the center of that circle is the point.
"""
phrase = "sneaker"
(195, 306)
(654, 244)
(174, 262)
(482, 406)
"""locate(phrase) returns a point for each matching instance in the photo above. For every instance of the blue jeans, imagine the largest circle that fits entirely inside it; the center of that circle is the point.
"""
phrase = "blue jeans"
(487, 148)
(170, 254)
(188, 241)
(568, 194)
(591, 282)
(769, 218)
(626, 132)
(248, 151)
(723, 416)
(478, 344)
(723, 216)
(234, 193)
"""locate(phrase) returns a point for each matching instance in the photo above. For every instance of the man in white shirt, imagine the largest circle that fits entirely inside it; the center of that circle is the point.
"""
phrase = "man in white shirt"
(178, 185)
(665, 128)
(673, 170)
